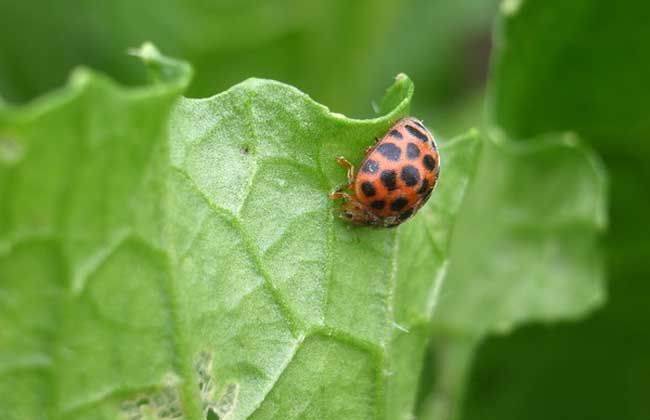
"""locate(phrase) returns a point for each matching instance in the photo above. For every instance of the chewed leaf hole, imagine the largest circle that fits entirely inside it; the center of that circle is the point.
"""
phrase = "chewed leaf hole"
(162, 404)
(227, 401)
(203, 368)
(214, 407)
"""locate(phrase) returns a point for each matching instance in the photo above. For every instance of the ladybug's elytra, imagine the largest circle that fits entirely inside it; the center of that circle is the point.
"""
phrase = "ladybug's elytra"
(396, 177)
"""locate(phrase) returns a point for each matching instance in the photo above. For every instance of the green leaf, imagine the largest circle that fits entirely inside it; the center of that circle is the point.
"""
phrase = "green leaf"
(73, 273)
(583, 66)
(525, 248)
(163, 255)
(576, 88)
(527, 243)
(539, 208)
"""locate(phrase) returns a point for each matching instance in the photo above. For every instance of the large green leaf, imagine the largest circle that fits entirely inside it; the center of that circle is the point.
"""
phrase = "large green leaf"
(525, 248)
(163, 255)
(579, 65)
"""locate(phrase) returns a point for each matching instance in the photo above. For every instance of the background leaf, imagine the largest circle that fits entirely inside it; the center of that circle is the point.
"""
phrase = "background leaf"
(226, 41)
(579, 66)
(531, 260)
(166, 287)
(341, 52)
(516, 258)
(68, 200)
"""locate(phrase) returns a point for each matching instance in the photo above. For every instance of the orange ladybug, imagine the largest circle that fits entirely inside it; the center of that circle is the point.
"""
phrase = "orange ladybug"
(396, 177)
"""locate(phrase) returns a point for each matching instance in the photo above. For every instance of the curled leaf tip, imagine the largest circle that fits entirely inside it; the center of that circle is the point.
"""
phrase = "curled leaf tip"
(401, 77)
(147, 52)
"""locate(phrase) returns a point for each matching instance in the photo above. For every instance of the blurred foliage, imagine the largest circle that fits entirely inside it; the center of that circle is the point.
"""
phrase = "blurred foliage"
(580, 65)
(339, 51)
(538, 203)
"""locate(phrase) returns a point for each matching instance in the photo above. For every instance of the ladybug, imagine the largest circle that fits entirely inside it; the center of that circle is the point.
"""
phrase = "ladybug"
(396, 177)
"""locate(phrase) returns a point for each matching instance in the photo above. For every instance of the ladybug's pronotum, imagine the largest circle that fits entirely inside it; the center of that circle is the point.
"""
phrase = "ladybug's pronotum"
(396, 177)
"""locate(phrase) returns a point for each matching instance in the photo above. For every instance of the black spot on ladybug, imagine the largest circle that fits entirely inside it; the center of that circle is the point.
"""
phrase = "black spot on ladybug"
(410, 175)
(405, 215)
(399, 204)
(396, 134)
(412, 151)
(371, 166)
(429, 162)
(424, 188)
(378, 204)
(368, 189)
(389, 178)
(417, 133)
(390, 151)
(420, 124)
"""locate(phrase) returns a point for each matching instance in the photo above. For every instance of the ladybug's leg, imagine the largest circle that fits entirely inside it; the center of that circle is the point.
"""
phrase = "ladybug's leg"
(350, 172)
(352, 209)
(336, 195)
(347, 165)
(369, 148)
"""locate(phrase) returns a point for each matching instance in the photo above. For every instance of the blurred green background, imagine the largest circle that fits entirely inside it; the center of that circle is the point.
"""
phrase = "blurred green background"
(341, 53)
(579, 65)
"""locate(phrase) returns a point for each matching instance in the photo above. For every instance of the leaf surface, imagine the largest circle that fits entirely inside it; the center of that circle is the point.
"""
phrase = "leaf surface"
(188, 258)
